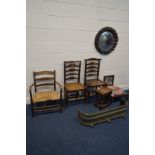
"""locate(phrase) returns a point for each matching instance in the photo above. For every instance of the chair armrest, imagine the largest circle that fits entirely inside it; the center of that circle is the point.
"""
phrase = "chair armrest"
(30, 87)
(60, 86)
(30, 91)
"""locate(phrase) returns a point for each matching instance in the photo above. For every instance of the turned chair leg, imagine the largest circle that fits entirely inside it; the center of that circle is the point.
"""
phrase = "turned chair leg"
(32, 109)
(88, 93)
(97, 98)
(32, 113)
(60, 104)
(61, 109)
(85, 96)
(66, 98)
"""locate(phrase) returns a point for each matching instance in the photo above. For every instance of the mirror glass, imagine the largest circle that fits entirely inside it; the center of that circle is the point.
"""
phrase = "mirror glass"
(105, 40)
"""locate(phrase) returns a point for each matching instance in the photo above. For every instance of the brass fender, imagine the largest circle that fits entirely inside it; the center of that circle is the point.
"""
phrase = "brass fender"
(101, 116)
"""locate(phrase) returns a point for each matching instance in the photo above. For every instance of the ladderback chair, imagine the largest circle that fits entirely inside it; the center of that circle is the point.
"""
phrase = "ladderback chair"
(46, 96)
(72, 86)
(91, 76)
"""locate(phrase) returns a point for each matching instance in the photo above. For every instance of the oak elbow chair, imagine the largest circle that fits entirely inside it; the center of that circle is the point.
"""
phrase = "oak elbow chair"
(47, 94)
(73, 89)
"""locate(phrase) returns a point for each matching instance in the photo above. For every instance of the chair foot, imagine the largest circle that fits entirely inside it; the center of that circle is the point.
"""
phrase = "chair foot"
(61, 109)
(109, 121)
(32, 114)
(123, 116)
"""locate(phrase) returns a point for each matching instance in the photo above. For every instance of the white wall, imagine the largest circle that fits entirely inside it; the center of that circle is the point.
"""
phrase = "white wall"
(59, 30)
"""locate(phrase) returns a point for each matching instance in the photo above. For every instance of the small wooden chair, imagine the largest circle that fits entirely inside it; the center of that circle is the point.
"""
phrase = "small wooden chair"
(105, 94)
(117, 92)
(91, 76)
(72, 85)
(45, 92)
(109, 92)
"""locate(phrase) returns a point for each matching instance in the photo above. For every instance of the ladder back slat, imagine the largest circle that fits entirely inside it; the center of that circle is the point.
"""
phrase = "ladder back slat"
(44, 84)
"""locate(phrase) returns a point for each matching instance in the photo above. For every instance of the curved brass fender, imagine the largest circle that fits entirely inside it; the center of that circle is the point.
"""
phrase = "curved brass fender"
(102, 116)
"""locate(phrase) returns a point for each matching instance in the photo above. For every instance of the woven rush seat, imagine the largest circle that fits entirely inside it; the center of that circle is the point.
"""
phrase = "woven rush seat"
(74, 86)
(45, 96)
(94, 83)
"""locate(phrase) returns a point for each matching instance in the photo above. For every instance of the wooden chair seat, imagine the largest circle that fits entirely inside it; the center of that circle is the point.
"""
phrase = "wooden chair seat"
(74, 86)
(94, 83)
(45, 96)
(104, 90)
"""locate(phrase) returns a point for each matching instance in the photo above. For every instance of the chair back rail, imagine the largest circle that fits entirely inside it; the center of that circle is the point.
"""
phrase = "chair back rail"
(72, 71)
(92, 67)
(109, 79)
(44, 78)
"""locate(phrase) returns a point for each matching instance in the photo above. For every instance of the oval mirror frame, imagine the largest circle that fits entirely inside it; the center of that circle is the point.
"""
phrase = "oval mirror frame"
(106, 40)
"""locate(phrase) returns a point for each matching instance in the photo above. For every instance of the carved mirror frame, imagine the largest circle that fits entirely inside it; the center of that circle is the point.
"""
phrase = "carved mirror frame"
(106, 40)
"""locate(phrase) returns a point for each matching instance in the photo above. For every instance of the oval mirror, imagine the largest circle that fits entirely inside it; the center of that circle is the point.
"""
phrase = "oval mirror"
(106, 40)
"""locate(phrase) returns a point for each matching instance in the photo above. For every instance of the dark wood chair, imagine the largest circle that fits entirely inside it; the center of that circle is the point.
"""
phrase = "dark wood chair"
(117, 92)
(73, 89)
(46, 95)
(114, 92)
(91, 76)
(109, 80)
(103, 96)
